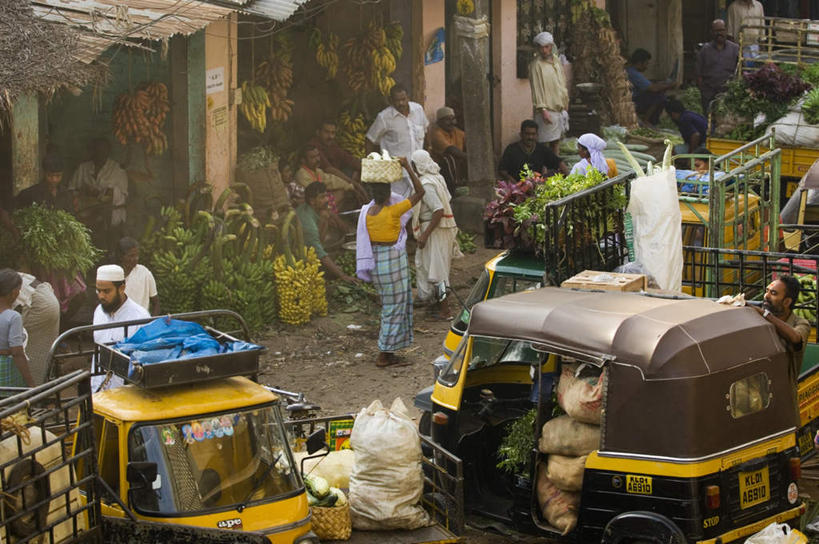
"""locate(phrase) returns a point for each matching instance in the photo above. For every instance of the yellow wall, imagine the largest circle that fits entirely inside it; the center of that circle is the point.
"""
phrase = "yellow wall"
(220, 125)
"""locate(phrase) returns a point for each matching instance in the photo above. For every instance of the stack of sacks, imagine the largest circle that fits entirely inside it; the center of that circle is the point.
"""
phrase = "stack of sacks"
(568, 440)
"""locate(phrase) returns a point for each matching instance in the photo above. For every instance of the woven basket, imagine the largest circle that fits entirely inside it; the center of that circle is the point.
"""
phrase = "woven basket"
(332, 523)
(379, 171)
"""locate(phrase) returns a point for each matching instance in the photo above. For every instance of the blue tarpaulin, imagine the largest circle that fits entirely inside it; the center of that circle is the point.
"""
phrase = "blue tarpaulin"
(167, 339)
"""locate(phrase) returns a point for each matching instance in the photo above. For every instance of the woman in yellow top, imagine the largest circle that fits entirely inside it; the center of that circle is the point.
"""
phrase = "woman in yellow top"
(381, 257)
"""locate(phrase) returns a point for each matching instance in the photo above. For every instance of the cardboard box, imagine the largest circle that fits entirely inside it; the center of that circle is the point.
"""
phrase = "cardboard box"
(608, 281)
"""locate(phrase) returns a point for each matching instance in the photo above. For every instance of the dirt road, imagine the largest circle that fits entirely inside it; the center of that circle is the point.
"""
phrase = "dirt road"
(332, 360)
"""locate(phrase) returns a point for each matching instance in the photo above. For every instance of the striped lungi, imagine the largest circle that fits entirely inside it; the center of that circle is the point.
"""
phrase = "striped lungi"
(9, 375)
(391, 279)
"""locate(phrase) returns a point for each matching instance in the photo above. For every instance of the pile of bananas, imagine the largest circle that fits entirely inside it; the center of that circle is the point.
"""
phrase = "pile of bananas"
(276, 75)
(254, 105)
(352, 133)
(326, 52)
(179, 272)
(318, 291)
(293, 290)
(139, 117)
(371, 58)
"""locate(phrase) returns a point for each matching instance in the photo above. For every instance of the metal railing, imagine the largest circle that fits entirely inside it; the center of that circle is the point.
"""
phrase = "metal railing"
(793, 42)
(586, 230)
(49, 492)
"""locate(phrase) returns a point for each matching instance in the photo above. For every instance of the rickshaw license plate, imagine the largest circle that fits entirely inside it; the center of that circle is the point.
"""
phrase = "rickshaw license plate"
(754, 488)
(639, 484)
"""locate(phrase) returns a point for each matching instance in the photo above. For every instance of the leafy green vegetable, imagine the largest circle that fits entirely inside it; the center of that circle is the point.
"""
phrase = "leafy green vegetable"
(516, 447)
(691, 98)
(466, 242)
(810, 108)
(50, 240)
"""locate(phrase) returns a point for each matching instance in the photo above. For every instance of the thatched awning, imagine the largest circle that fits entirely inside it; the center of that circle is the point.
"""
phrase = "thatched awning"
(37, 56)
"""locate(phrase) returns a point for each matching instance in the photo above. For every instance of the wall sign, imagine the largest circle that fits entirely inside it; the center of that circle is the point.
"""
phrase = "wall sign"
(215, 80)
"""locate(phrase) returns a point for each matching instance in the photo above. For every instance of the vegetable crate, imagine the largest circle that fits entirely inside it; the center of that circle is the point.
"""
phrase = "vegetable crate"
(443, 496)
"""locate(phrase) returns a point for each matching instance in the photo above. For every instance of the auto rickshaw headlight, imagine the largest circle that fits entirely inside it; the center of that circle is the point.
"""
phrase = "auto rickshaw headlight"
(712, 498)
(796, 468)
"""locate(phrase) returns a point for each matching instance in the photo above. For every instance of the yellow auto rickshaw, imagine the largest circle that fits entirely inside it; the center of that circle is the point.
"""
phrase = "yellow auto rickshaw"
(696, 432)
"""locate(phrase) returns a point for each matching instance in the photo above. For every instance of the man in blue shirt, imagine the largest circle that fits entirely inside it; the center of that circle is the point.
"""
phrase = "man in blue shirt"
(648, 97)
(692, 125)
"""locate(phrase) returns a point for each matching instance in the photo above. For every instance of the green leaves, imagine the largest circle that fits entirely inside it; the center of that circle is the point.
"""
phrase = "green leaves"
(52, 240)
(516, 447)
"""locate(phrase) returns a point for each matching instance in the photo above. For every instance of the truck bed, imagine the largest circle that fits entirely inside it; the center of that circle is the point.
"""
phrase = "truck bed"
(426, 535)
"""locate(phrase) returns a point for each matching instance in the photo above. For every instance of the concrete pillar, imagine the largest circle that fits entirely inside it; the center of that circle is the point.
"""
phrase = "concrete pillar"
(25, 146)
(220, 86)
(187, 95)
(473, 42)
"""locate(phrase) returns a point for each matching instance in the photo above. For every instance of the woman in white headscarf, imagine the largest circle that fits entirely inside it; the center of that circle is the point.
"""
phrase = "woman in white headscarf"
(434, 228)
(590, 148)
(550, 97)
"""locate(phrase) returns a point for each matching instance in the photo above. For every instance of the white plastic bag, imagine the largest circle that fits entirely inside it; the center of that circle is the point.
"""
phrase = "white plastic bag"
(793, 130)
(777, 533)
(386, 482)
(655, 216)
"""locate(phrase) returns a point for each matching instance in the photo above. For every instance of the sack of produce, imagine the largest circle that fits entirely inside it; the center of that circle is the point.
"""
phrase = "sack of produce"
(382, 168)
(258, 169)
(335, 467)
(566, 436)
(386, 482)
(566, 472)
(794, 130)
(580, 392)
(558, 507)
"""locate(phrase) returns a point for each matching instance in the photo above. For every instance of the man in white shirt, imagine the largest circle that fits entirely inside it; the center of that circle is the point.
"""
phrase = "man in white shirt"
(399, 129)
(102, 182)
(114, 307)
(140, 285)
(746, 12)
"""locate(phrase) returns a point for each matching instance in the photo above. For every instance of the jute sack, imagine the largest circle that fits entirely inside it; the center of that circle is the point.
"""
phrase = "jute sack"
(580, 394)
(565, 436)
(386, 482)
(566, 472)
(558, 507)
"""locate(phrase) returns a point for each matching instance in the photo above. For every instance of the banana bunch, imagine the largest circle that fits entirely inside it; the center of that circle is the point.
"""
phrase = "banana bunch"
(293, 290)
(465, 7)
(177, 286)
(352, 133)
(254, 105)
(370, 60)
(326, 52)
(395, 33)
(317, 289)
(129, 117)
(156, 111)
(276, 75)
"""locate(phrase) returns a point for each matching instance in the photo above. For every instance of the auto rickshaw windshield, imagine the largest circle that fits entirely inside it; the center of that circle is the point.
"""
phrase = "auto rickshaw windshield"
(487, 351)
(214, 462)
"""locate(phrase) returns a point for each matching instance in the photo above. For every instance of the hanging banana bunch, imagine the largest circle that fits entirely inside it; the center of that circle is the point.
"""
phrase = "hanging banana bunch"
(326, 52)
(276, 75)
(254, 105)
(352, 133)
(369, 61)
(395, 33)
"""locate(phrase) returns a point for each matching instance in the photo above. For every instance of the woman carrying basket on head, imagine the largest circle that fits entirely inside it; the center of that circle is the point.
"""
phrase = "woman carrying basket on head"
(381, 257)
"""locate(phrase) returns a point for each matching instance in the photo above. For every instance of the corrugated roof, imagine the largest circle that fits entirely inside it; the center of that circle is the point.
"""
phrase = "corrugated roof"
(280, 10)
(105, 22)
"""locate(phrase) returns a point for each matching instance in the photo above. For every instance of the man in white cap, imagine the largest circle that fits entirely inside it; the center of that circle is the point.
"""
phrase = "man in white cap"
(550, 97)
(114, 307)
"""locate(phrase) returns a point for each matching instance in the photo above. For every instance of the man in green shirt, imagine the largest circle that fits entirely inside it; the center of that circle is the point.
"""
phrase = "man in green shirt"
(309, 213)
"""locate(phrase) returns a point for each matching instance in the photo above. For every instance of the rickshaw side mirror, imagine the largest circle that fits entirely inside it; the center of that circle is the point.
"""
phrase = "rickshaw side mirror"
(315, 441)
(141, 474)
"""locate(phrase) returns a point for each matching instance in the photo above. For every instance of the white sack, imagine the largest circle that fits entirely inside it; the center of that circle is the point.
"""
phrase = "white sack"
(793, 130)
(655, 216)
(386, 482)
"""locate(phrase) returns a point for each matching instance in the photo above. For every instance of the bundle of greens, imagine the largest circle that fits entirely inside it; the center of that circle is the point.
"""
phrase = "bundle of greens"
(51, 241)
(810, 108)
(516, 447)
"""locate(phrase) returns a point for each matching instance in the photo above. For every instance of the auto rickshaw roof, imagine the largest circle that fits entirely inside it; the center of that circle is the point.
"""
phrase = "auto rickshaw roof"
(665, 338)
(518, 264)
(133, 403)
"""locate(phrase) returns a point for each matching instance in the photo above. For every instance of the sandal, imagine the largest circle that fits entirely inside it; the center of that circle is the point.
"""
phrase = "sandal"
(388, 359)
